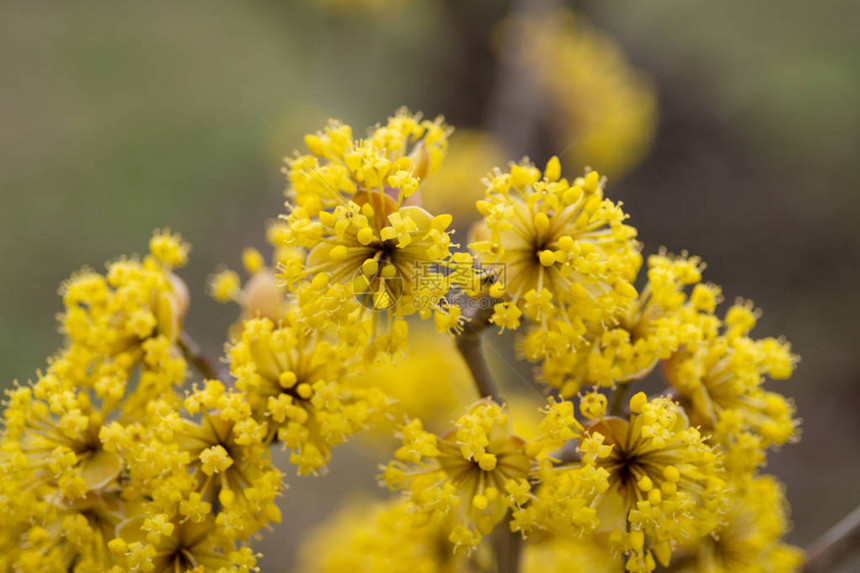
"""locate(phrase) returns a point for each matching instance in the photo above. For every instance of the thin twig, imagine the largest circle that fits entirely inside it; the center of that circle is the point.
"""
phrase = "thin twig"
(840, 542)
(192, 352)
(617, 405)
(508, 547)
(477, 313)
(516, 110)
(469, 346)
(507, 544)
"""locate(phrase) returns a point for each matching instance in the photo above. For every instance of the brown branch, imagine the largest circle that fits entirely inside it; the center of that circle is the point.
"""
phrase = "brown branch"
(617, 406)
(470, 350)
(840, 542)
(514, 116)
(195, 356)
(518, 106)
(469, 345)
(507, 544)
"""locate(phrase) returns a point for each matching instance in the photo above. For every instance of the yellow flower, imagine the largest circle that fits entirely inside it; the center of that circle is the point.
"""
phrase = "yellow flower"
(169, 249)
(563, 252)
(65, 535)
(296, 381)
(230, 455)
(189, 546)
(628, 345)
(648, 481)
(63, 450)
(52, 441)
(465, 472)
(112, 314)
(566, 497)
(350, 208)
(748, 538)
(719, 379)
(605, 110)
(660, 469)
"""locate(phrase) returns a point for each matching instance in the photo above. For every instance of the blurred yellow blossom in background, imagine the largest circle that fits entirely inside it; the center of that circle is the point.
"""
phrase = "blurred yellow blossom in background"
(604, 110)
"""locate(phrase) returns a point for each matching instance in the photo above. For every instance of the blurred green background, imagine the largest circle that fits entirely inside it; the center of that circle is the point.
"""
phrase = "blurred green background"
(121, 117)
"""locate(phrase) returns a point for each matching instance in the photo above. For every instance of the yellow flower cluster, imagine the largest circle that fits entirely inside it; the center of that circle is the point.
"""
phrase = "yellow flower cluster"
(108, 465)
(465, 472)
(719, 378)
(352, 207)
(606, 109)
(114, 321)
(666, 482)
(199, 484)
(299, 381)
(95, 472)
(646, 485)
(562, 253)
(628, 344)
(748, 537)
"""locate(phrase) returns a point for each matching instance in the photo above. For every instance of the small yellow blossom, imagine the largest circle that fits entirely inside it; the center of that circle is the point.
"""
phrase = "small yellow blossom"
(350, 205)
(605, 110)
(169, 249)
(465, 472)
(748, 538)
(659, 468)
(296, 381)
(641, 332)
(719, 378)
(567, 255)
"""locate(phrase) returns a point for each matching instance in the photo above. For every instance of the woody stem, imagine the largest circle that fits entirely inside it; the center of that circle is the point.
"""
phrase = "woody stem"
(838, 543)
(469, 346)
(617, 406)
(507, 545)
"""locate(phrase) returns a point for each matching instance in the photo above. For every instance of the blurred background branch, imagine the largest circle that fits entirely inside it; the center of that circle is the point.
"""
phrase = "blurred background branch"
(838, 544)
(517, 106)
